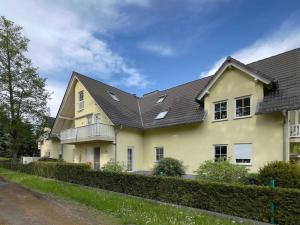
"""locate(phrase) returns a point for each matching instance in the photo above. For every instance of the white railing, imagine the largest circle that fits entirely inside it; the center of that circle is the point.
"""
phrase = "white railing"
(295, 130)
(80, 105)
(88, 131)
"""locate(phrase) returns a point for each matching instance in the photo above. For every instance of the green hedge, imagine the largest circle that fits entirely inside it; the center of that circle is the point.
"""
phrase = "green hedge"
(247, 201)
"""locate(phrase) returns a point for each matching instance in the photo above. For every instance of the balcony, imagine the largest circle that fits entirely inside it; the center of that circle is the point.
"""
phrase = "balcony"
(88, 133)
(295, 131)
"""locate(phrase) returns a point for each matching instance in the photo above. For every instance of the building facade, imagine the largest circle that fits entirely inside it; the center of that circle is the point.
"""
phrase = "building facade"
(247, 114)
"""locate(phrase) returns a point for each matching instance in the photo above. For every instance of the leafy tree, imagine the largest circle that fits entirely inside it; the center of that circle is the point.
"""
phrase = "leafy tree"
(222, 171)
(22, 92)
(169, 167)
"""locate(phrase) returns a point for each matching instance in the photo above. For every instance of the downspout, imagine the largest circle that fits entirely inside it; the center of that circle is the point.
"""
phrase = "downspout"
(286, 143)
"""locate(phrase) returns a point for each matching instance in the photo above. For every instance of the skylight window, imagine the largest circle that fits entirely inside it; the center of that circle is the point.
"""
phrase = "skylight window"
(161, 99)
(161, 115)
(113, 96)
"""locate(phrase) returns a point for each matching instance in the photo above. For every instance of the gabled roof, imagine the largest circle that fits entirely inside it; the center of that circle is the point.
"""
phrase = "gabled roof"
(50, 121)
(231, 62)
(281, 71)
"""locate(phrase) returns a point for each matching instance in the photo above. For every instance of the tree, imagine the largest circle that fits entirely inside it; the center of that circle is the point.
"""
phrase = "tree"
(22, 91)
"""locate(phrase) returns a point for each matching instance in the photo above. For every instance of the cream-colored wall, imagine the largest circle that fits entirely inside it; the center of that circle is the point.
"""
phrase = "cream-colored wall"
(51, 145)
(193, 144)
(90, 107)
(134, 139)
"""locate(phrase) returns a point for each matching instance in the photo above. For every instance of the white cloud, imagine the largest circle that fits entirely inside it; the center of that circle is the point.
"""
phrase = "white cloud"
(157, 48)
(58, 90)
(285, 38)
(65, 37)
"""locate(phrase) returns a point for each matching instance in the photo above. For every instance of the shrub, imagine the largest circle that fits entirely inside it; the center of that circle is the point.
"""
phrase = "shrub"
(246, 201)
(47, 159)
(169, 167)
(112, 166)
(285, 174)
(221, 171)
(252, 178)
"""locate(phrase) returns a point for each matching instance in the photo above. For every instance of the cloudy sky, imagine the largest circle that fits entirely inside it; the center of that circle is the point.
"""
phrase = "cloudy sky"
(144, 45)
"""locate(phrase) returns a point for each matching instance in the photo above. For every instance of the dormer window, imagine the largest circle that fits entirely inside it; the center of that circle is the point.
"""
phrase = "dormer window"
(161, 99)
(113, 96)
(80, 100)
(161, 115)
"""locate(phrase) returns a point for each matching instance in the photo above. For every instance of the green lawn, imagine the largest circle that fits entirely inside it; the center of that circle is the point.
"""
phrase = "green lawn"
(130, 210)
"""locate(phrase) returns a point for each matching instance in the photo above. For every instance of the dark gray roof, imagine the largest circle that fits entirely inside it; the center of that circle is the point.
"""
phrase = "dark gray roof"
(285, 69)
(135, 112)
(50, 121)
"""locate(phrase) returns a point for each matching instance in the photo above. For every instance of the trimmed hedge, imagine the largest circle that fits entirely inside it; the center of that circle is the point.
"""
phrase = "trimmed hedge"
(246, 201)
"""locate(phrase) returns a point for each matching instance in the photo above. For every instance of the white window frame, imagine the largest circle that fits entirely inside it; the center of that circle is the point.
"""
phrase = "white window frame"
(89, 118)
(214, 150)
(220, 102)
(80, 102)
(161, 156)
(132, 159)
(239, 98)
(97, 116)
(235, 157)
(161, 115)
(161, 98)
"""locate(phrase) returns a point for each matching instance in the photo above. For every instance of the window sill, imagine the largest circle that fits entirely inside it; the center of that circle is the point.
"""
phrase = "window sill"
(220, 120)
(243, 164)
(242, 117)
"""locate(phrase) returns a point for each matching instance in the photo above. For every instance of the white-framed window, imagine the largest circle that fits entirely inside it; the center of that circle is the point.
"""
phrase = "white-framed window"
(161, 99)
(159, 153)
(80, 100)
(243, 154)
(97, 118)
(220, 152)
(243, 107)
(129, 159)
(89, 119)
(161, 115)
(220, 110)
(113, 96)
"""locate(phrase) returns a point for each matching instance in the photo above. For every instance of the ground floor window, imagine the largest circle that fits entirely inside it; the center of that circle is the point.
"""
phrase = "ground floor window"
(129, 159)
(243, 154)
(159, 153)
(220, 152)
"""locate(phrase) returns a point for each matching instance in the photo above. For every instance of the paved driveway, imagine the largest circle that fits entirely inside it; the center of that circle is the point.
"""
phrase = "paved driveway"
(19, 206)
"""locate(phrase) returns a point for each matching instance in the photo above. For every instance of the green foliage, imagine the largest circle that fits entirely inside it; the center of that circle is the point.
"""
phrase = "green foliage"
(169, 167)
(23, 94)
(222, 171)
(285, 174)
(248, 201)
(112, 166)
(47, 159)
(252, 178)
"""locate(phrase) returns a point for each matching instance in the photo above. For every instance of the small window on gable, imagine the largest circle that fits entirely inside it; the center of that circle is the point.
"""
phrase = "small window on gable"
(161, 99)
(113, 96)
(220, 110)
(243, 107)
(161, 115)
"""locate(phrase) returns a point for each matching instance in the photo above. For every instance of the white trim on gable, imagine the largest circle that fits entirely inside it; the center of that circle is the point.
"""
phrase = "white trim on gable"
(221, 70)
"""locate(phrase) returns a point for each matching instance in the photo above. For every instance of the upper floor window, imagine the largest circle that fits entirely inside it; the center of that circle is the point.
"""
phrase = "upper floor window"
(114, 97)
(220, 110)
(242, 107)
(161, 115)
(97, 118)
(80, 100)
(89, 119)
(159, 153)
(161, 99)
(220, 152)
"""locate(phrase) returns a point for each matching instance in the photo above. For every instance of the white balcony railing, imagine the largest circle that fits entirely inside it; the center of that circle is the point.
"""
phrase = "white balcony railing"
(97, 130)
(295, 130)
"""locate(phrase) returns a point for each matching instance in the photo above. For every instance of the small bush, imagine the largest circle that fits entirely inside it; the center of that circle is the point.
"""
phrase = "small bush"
(222, 171)
(285, 174)
(169, 167)
(252, 178)
(112, 166)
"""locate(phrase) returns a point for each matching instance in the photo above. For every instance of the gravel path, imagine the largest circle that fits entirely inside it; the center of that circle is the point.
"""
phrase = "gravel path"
(20, 206)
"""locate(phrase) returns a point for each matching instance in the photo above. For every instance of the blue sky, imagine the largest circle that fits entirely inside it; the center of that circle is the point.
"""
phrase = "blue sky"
(144, 45)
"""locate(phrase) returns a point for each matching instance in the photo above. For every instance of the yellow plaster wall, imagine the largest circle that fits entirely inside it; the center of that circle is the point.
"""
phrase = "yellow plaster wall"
(130, 138)
(193, 144)
(52, 146)
(90, 107)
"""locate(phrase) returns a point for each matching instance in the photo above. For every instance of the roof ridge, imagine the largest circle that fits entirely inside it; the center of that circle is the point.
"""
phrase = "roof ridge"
(133, 95)
(282, 53)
